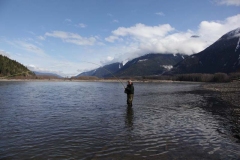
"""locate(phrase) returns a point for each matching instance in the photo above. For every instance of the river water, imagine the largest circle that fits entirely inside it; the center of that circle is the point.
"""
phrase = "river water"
(90, 120)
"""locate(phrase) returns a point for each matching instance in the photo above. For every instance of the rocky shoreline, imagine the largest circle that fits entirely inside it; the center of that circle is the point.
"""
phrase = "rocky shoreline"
(228, 92)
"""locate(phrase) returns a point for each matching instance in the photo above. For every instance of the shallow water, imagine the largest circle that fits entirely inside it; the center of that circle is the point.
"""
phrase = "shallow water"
(90, 120)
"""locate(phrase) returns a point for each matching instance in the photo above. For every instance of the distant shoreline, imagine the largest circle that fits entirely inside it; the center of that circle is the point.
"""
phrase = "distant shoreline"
(75, 80)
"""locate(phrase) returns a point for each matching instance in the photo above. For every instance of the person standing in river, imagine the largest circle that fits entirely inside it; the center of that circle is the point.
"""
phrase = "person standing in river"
(129, 90)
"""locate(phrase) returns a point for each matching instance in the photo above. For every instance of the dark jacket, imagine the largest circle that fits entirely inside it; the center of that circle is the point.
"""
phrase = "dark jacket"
(129, 89)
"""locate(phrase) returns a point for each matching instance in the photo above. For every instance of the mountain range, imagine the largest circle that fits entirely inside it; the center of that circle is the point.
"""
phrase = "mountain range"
(150, 64)
(222, 56)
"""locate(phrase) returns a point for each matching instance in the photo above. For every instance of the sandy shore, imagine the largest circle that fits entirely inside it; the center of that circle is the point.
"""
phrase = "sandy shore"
(229, 92)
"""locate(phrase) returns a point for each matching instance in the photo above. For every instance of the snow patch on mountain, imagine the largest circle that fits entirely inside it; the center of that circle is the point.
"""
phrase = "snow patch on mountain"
(232, 34)
(167, 66)
(237, 45)
(142, 60)
(124, 62)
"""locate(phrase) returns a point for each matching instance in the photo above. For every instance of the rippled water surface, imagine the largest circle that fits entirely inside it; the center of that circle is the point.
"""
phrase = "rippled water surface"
(90, 120)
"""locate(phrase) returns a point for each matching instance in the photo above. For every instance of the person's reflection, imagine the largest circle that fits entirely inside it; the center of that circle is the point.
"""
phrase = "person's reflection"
(129, 118)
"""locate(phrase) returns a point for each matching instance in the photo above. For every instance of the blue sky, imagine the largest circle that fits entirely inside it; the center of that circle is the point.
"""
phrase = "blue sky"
(62, 36)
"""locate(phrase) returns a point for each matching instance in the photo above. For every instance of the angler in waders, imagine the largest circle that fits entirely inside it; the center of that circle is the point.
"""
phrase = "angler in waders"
(129, 90)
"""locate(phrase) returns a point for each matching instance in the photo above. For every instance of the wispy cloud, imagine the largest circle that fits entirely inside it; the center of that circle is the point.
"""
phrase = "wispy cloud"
(160, 14)
(110, 15)
(71, 38)
(31, 32)
(115, 21)
(68, 20)
(81, 25)
(107, 60)
(41, 37)
(60, 67)
(44, 70)
(28, 47)
(112, 38)
(228, 2)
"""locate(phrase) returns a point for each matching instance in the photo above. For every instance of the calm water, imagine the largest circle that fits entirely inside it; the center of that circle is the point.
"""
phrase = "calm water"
(90, 120)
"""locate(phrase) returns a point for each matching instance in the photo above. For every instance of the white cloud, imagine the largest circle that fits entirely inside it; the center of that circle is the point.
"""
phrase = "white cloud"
(68, 20)
(62, 68)
(214, 29)
(160, 14)
(72, 38)
(43, 70)
(81, 25)
(111, 38)
(41, 37)
(29, 47)
(107, 60)
(228, 2)
(141, 32)
(33, 67)
(142, 39)
(31, 32)
(115, 21)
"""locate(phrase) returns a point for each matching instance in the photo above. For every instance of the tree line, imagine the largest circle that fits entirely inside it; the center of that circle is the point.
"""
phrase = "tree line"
(202, 77)
(193, 77)
(9, 68)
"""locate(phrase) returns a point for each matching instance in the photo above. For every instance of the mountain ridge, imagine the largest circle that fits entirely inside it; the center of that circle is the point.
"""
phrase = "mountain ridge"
(222, 56)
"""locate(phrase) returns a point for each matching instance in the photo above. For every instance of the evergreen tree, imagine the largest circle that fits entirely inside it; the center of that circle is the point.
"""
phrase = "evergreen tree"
(11, 68)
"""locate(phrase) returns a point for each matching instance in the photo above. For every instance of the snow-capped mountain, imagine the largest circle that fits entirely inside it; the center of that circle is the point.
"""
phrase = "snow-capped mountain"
(221, 56)
(150, 64)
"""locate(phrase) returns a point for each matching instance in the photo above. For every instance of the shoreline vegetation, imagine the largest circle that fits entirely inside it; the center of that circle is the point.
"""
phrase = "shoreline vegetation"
(192, 77)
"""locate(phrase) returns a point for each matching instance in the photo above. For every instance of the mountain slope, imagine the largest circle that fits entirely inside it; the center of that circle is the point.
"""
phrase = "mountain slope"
(150, 64)
(104, 71)
(221, 56)
(11, 68)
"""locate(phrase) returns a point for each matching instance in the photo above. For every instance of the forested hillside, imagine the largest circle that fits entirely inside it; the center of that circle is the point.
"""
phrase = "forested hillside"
(11, 68)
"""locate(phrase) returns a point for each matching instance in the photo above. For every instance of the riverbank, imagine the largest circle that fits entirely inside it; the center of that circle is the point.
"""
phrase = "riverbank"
(228, 92)
(88, 80)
